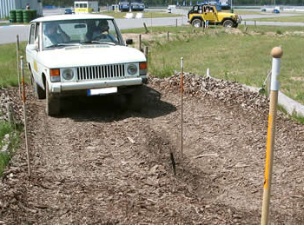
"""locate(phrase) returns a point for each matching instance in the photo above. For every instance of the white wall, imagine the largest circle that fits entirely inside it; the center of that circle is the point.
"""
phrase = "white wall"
(7, 5)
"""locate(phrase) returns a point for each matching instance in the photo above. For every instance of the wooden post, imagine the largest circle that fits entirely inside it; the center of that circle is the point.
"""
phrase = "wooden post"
(139, 42)
(147, 31)
(18, 65)
(276, 54)
(151, 23)
(146, 52)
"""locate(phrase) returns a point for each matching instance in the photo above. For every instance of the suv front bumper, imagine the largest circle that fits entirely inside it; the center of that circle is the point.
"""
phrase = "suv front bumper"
(62, 87)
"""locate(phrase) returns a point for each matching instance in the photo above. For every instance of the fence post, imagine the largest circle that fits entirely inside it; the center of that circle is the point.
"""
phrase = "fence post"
(151, 23)
(146, 52)
(139, 42)
(146, 29)
(276, 53)
(18, 65)
(24, 115)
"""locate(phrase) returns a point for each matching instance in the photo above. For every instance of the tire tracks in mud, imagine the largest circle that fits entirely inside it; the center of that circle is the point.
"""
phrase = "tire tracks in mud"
(101, 164)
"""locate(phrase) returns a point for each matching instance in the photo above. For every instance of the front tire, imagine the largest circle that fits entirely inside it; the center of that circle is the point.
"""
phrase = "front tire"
(228, 23)
(136, 98)
(39, 92)
(52, 102)
(197, 23)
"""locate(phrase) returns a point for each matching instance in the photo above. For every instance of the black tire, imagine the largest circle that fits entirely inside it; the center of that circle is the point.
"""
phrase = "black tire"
(38, 91)
(228, 23)
(52, 102)
(197, 23)
(136, 98)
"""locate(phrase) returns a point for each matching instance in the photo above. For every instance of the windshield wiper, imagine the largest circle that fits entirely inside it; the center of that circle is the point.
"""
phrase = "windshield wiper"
(62, 45)
(101, 42)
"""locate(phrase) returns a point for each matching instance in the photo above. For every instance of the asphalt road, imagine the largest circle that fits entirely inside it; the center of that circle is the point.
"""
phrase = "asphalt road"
(8, 33)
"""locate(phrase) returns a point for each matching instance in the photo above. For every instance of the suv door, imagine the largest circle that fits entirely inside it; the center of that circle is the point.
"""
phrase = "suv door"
(32, 51)
(210, 14)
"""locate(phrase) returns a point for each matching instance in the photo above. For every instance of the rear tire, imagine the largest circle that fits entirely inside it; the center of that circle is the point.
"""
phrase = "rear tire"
(197, 23)
(52, 102)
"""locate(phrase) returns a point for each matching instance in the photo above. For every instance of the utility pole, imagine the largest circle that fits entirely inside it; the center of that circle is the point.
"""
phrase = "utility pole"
(231, 7)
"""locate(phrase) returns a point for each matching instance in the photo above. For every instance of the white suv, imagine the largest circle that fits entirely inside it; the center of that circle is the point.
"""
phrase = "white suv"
(82, 54)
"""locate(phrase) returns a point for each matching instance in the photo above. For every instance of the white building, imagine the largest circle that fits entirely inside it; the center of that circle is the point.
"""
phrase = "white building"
(7, 5)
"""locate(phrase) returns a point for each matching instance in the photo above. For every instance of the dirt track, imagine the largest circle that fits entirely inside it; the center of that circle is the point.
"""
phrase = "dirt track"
(101, 164)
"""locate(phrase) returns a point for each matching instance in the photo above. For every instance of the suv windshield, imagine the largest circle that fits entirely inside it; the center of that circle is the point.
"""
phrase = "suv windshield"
(78, 32)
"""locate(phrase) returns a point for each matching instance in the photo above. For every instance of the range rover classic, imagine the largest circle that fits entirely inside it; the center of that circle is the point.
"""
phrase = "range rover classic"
(83, 54)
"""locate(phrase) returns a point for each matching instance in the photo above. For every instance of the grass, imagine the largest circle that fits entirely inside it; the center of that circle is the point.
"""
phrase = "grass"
(244, 57)
(11, 141)
(8, 77)
(246, 12)
(296, 18)
(8, 64)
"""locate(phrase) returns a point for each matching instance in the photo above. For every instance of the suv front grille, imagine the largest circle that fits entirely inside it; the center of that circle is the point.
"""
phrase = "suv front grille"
(101, 72)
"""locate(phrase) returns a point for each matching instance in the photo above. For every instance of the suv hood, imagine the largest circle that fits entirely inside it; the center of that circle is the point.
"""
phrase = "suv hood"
(231, 15)
(89, 55)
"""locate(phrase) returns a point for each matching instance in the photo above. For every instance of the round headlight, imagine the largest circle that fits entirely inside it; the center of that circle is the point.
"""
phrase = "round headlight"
(132, 69)
(68, 74)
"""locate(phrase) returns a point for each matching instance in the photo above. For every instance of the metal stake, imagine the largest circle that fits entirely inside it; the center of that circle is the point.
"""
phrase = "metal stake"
(24, 115)
(182, 106)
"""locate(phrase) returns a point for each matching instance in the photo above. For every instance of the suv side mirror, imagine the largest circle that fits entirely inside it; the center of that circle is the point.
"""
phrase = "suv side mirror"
(129, 41)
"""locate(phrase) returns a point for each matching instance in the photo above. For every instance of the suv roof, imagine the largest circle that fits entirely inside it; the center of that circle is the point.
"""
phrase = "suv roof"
(218, 7)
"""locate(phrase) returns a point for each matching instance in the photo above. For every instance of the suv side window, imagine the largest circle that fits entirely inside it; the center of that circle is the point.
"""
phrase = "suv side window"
(200, 9)
(195, 9)
(32, 34)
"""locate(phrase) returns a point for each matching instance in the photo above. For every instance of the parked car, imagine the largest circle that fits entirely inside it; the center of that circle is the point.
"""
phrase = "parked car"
(170, 8)
(275, 11)
(225, 6)
(68, 11)
(124, 6)
(83, 54)
(137, 6)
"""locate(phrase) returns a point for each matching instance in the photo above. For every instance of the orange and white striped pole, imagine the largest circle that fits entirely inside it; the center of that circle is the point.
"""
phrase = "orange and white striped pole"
(276, 53)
